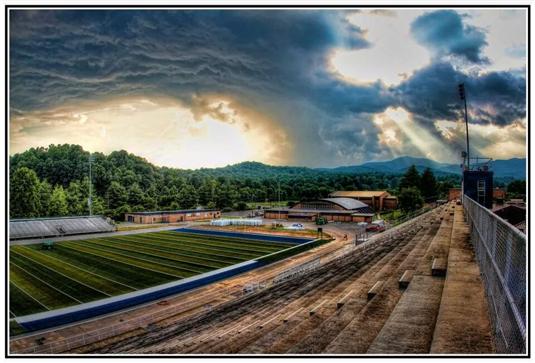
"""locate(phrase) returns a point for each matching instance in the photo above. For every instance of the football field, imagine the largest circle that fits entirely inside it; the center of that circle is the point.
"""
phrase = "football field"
(75, 272)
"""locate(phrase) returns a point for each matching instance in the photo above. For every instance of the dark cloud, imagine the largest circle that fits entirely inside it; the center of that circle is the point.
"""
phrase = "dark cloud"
(70, 54)
(445, 33)
(494, 97)
(274, 62)
(270, 60)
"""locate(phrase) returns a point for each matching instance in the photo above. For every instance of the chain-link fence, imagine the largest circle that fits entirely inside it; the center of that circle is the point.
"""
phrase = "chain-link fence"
(501, 252)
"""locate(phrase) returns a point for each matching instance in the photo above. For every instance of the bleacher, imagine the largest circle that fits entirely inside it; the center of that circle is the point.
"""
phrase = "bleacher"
(56, 227)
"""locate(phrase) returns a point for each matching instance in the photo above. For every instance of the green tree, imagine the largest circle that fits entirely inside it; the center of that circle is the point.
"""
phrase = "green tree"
(45, 193)
(24, 193)
(118, 213)
(98, 206)
(411, 178)
(58, 203)
(211, 205)
(77, 196)
(517, 188)
(117, 195)
(410, 199)
(429, 184)
(136, 196)
(188, 197)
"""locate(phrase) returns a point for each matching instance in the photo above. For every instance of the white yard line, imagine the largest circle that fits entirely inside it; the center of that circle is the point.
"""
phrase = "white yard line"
(46, 283)
(87, 271)
(62, 274)
(28, 294)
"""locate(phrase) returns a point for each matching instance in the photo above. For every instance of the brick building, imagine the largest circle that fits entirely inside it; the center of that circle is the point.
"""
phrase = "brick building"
(171, 216)
(377, 199)
(332, 209)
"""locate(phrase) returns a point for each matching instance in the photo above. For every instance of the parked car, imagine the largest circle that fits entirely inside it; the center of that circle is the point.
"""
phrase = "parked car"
(376, 226)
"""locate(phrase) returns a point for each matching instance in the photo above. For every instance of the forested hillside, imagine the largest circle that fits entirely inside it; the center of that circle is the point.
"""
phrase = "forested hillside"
(54, 181)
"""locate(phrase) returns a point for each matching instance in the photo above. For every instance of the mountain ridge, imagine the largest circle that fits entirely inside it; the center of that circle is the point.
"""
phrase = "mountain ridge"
(513, 167)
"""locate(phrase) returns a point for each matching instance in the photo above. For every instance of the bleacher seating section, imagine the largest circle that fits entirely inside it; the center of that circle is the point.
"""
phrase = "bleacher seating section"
(54, 227)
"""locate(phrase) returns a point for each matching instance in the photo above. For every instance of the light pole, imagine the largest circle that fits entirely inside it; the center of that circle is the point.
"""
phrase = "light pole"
(279, 182)
(89, 200)
(462, 95)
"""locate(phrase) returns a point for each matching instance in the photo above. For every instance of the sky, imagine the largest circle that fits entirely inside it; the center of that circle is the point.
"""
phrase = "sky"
(316, 87)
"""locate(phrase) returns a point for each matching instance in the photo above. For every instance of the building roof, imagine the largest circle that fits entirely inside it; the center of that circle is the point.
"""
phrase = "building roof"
(358, 193)
(180, 211)
(295, 212)
(346, 203)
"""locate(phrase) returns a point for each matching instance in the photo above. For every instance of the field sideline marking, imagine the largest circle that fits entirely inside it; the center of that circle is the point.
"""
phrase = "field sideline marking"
(62, 274)
(101, 248)
(89, 272)
(126, 263)
(46, 283)
(27, 294)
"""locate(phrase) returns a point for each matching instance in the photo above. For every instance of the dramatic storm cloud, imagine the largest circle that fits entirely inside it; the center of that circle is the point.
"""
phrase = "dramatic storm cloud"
(312, 87)
(444, 32)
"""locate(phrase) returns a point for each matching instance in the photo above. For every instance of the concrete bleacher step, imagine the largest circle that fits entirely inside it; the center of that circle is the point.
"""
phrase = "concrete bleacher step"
(341, 302)
(405, 279)
(439, 267)
(316, 308)
(353, 297)
(332, 315)
(410, 326)
(463, 325)
(352, 300)
(376, 289)
(358, 333)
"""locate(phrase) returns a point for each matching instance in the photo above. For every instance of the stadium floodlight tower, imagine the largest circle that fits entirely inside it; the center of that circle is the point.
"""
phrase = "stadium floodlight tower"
(477, 182)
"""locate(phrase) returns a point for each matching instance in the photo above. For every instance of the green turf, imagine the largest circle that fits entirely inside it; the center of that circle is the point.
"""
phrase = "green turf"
(25, 304)
(80, 271)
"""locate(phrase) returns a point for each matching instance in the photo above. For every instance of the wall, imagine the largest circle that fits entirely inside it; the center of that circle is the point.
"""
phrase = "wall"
(390, 203)
(171, 218)
(275, 215)
(68, 315)
(471, 178)
(362, 219)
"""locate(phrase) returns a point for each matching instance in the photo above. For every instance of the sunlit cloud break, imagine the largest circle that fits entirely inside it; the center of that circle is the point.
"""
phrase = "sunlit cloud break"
(197, 89)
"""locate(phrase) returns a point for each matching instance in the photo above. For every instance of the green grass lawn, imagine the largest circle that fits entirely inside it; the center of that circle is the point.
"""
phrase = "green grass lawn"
(80, 271)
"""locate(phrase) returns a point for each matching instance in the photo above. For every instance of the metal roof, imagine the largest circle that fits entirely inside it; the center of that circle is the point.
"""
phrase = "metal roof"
(364, 211)
(346, 203)
(358, 193)
(50, 227)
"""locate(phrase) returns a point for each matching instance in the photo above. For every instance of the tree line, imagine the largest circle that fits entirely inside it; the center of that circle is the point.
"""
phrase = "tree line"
(54, 181)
